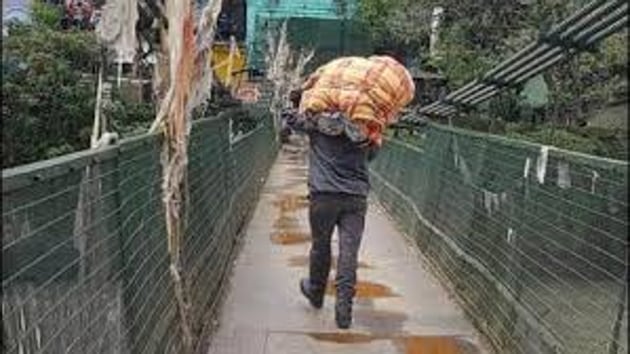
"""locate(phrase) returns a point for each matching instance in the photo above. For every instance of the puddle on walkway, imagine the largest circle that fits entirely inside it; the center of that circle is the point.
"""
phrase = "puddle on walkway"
(343, 338)
(288, 184)
(298, 171)
(291, 203)
(303, 261)
(287, 226)
(295, 156)
(435, 345)
(365, 289)
(404, 344)
(284, 222)
(287, 238)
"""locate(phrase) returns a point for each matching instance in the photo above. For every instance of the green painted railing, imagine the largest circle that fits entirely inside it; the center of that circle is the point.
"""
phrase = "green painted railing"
(532, 240)
(85, 263)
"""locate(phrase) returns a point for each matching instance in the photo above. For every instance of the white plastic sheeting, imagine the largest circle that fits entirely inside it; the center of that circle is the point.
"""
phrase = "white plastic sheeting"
(117, 28)
(541, 164)
(564, 175)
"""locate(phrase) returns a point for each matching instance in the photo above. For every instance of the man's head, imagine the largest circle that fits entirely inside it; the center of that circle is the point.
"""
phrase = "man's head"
(295, 96)
(396, 55)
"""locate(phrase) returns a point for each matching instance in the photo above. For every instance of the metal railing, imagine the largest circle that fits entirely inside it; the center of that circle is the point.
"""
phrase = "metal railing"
(84, 248)
(533, 240)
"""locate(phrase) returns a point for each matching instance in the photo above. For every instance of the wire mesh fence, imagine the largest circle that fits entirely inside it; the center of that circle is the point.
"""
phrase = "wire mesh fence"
(84, 249)
(533, 240)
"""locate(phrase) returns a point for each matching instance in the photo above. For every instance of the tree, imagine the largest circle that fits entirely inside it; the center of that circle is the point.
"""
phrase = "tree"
(477, 35)
(49, 90)
(398, 25)
(48, 101)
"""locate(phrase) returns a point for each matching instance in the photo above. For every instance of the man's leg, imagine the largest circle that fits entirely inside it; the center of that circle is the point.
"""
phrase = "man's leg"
(323, 214)
(351, 226)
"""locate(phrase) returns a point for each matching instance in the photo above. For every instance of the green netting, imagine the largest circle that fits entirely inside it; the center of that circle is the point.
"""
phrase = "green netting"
(85, 264)
(533, 242)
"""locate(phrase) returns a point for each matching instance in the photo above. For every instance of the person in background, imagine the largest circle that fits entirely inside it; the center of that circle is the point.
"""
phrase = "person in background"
(338, 185)
(285, 131)
(224, 27)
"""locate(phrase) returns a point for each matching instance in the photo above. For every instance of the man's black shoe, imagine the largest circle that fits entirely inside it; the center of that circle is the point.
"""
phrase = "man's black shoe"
(343, 316)
(316, 301)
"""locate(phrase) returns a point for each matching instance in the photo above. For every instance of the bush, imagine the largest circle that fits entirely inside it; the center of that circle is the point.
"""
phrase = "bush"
(47, 102)
(592, 141)
(49, 91)
(129, 117)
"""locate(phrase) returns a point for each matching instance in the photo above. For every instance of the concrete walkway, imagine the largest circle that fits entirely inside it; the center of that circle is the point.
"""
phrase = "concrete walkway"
(400, 307)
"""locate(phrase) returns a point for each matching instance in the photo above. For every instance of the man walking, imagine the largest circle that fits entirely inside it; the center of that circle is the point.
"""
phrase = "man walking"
(343, 107)
(338, 187)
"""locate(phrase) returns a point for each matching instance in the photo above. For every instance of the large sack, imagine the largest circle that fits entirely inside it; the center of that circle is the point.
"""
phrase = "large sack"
(370, 91)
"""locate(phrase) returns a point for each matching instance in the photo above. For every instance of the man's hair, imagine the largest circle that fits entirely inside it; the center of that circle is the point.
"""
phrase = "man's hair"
(399, 57)
(295, 96)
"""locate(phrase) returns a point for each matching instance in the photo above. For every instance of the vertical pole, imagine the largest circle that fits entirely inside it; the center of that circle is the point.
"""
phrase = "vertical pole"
(120, 69)
(343, 9)
(96, 128)
(342, 44)
(435, 24)
(230, 66)
(613, 348)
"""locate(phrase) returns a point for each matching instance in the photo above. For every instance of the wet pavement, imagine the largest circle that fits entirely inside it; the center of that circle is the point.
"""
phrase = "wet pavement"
(400, 308)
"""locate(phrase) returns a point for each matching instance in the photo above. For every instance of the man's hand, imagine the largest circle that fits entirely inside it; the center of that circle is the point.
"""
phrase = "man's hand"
(297, 121)
(372, 152)
(288, 115)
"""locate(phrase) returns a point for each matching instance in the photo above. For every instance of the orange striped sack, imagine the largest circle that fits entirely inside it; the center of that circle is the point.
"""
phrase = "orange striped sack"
(370, 91)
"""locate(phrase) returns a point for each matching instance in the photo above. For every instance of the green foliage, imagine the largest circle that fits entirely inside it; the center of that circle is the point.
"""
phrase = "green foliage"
(396, 24)
(375, 14)
(549, 135)
(45, 15)
(592, 141)
(129, 117)
(475, 36)
(49, 91)
(47, 101)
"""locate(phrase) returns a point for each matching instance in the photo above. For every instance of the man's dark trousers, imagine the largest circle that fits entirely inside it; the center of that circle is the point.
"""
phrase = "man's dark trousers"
(347, 213)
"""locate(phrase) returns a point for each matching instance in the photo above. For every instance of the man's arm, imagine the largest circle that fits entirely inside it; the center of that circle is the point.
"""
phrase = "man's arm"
(296, 121)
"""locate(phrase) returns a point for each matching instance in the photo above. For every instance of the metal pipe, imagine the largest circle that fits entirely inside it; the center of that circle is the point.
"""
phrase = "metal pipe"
(534, 50)
(617, 13)
(589, 25)
(534, 64)
(550, 55)
(475, 88)
(454, 95)
(616, 16)
(561, 27)
(594, 17)
(526, 76)
(442, 110)
(481, 92)
(617, 26)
